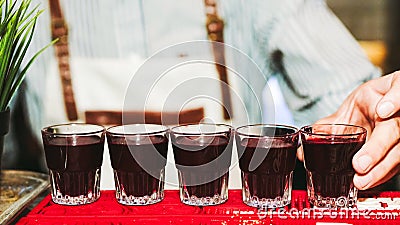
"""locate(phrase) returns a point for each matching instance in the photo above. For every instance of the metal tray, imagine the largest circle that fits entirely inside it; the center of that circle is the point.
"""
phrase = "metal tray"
(17, 189)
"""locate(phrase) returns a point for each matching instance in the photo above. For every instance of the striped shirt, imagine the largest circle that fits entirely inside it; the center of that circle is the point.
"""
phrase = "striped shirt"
(316, 60)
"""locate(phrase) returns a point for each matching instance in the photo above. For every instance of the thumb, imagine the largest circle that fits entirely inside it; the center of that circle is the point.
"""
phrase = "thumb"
(300, 153)
(390, 102)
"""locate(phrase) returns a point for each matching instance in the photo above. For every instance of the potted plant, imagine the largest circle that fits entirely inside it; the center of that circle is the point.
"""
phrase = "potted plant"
(17, 25)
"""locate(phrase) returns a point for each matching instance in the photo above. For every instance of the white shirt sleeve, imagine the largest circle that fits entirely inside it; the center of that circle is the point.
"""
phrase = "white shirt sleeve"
(317, 60)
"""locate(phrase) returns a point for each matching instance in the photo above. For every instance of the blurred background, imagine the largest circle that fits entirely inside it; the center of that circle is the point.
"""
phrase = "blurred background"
(375, 24)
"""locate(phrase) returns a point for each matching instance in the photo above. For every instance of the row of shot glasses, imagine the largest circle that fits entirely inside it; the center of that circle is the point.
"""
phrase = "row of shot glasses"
(202, 154)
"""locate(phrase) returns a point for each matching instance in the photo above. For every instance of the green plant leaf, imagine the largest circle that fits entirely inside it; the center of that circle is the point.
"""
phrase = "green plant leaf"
(17, 26)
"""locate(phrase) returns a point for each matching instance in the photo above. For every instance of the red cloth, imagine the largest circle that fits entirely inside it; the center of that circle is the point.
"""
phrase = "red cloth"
(171, 211)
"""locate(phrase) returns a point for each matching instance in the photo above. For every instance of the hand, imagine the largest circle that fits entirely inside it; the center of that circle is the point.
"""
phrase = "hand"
(375, 106)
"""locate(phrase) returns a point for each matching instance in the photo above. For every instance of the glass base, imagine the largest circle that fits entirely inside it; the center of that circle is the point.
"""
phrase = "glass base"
(204, 201)
(75, 188)
(266, 190)
(319, 201)
(335, 191)
(206, 194)
(143, 200)
(138, 188)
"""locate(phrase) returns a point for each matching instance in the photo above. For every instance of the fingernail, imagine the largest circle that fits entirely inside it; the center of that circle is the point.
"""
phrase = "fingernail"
(385, 109)
(362, 181)
(364, 162)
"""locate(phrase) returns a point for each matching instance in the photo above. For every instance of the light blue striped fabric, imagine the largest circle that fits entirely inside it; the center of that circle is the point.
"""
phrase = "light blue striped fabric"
(320, 58)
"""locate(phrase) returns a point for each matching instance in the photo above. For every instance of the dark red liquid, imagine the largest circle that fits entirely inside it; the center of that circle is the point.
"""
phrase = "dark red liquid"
(138, 166)
(276, 162)
(330, 165)
(75, 163)
(204, 163)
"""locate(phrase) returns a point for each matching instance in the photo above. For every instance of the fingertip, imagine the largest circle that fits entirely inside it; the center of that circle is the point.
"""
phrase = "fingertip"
(385, 109)
(300, 154)
(355, 165)
(356, 182)
(362, 182)
(362, 163)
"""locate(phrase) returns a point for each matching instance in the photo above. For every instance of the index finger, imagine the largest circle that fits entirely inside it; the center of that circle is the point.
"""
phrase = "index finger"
(389, 104)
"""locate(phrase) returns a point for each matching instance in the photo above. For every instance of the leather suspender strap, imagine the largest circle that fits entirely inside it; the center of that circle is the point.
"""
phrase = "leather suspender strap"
(215, 30)
(59, 30)
(105, 117)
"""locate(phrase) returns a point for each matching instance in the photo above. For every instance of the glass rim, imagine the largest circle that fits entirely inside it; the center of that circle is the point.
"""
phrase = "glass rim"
(229, 128)
(296, 130)
(162, 129)
(363, 130)
(100, 129)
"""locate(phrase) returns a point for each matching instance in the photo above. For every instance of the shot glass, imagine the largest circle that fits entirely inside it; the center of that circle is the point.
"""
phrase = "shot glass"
(328, 152)
(267, 158)
(138, 155)
(202, 155)
(74, 154)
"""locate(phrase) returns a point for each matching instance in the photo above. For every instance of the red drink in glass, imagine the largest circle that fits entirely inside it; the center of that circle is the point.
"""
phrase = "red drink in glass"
(202, 155)
(138, 155)
(267, 158)
(74, 155)
(328, 153)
